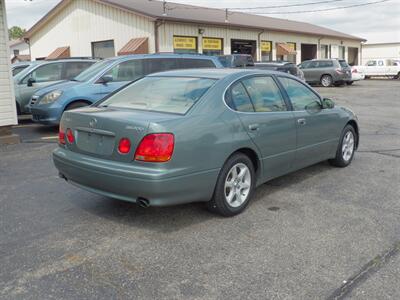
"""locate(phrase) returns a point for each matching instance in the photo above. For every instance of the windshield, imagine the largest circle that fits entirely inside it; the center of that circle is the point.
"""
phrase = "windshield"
(343, 63)
(161, 94)
(92, 70)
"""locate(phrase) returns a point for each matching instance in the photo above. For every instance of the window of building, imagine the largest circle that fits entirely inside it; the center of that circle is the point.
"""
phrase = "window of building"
(300, 95)
(324, 51)
(185, 44)
(266, 51)
(212, 46)
(103, 49)
(264, 94)
(292, 57)
(16, 52)
(342, 52)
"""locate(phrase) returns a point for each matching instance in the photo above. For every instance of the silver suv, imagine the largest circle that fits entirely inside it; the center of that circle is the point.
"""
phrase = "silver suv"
(40, 74)
(327, 72)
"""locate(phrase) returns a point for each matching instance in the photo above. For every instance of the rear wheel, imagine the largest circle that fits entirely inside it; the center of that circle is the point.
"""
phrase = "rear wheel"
(76, 104)
(234, 186)
(326, 80)
(397, 76)
(346, 148)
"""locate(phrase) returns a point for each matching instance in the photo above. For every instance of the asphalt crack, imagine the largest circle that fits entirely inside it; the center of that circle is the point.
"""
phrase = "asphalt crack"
(366, 271)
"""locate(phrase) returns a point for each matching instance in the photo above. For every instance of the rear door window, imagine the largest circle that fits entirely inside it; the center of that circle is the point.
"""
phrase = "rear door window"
(238, 99)
(325, 64)
(192, 63)
(264, 94)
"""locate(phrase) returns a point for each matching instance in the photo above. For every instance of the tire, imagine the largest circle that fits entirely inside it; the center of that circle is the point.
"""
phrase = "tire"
(76, 104)
(349, 82)
(346, 148)
(397, 76)
(326, 80)
(231, 196)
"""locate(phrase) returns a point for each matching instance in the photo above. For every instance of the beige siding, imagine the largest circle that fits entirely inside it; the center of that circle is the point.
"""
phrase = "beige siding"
(168, 30)
(85, 21)
(8, 114)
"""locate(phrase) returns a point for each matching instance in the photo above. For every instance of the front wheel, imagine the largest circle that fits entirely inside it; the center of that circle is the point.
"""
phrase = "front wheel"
(326, 80)
(76, 104)
(349, 82)
(346, 148)
(234, 188)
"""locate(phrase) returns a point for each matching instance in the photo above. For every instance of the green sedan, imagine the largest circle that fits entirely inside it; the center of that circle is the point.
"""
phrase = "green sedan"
(202, 135)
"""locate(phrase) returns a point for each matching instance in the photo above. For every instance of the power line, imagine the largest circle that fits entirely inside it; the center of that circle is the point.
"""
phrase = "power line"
(320, 10)
(284, 6)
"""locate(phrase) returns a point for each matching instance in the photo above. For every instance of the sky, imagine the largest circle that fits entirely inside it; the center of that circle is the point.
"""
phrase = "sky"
(377, 23)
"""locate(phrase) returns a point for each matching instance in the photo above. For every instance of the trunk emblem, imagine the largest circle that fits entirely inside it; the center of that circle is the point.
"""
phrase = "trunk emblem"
(92, 123)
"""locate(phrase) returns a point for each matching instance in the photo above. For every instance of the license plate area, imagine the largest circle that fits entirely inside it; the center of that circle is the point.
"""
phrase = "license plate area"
(95, 143)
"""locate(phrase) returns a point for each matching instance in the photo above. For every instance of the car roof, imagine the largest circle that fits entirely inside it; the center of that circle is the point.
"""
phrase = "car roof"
(212, 73)
(161, 55)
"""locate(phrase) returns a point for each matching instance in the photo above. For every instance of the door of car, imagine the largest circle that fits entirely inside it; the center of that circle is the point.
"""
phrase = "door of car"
(40, 77)
(270, 124)
(317, 129)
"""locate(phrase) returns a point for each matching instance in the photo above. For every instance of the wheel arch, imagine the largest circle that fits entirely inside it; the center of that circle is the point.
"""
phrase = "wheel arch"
(75, 101)
(250, 153)
(354, 124)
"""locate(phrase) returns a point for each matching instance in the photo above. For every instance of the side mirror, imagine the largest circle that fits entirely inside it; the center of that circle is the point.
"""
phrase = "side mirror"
(105, 79)
(314, 106)
(327, 103)
(30, 81)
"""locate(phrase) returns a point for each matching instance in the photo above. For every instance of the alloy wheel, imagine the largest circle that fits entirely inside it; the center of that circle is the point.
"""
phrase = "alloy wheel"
(237, 185)
(348, 146)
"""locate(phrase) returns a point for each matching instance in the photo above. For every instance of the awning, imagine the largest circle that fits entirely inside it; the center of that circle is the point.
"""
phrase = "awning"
(61, 52)
(20, 57)
(135, 46)
(284, 49)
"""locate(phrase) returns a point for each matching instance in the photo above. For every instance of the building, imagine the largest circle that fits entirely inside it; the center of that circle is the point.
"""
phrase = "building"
(8, 112)
(104, 28)
(380, 50)
(19, 51)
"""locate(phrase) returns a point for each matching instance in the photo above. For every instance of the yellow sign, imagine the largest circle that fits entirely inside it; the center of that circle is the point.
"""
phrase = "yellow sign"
(212, 44)
(266, 46)
(181, 42)
(292, 46)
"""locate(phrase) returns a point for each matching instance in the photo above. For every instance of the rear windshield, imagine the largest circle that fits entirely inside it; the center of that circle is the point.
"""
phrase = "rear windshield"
(343, 63)
(161, 94)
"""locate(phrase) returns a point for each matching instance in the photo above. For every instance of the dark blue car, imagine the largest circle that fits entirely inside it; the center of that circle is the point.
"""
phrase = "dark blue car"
(48, 104)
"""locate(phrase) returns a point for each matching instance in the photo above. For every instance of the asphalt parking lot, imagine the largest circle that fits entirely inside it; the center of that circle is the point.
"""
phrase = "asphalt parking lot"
(319, 233)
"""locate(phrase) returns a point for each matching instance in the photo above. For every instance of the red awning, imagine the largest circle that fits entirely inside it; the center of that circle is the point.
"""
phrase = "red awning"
(61, 52)
(135, 46)
(284, 49)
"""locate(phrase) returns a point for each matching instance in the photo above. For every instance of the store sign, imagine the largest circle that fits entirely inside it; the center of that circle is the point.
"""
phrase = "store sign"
(266, 46)
(185, 42)
(292, 46)
(212, 44)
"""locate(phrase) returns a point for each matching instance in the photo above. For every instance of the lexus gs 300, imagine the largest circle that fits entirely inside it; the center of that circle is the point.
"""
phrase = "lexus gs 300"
(202, 135)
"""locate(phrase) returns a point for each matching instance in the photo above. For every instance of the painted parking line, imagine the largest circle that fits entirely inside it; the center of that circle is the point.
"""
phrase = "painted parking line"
(27, 125)
(49, 137)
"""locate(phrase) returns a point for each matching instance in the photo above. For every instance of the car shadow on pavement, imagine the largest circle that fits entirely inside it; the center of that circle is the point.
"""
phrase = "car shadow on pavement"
(175, 218)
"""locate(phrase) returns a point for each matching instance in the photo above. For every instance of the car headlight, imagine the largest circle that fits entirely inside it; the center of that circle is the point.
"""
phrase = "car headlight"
(50, 97)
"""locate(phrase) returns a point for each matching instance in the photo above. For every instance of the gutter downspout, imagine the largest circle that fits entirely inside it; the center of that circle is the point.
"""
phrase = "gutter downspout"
(157, 24)
(259, 58)
(28, 41)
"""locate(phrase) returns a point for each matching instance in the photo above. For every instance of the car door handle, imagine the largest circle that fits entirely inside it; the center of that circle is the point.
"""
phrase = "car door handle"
(301, 121)
(253, 127)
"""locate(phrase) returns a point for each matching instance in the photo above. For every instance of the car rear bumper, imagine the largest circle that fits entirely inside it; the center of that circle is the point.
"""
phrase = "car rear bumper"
(130, 183)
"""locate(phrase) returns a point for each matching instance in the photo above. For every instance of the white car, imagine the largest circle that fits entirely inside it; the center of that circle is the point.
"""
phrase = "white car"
(380, 68)
(355, 75)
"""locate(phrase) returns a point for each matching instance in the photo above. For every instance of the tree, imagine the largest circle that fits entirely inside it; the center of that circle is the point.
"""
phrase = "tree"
(16, 32)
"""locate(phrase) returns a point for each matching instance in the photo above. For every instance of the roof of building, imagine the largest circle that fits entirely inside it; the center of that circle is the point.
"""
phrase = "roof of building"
(15, 42)
(204, 15)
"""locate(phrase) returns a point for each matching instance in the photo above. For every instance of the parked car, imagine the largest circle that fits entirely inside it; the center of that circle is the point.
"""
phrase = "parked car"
(355, 76)
(19, 66)
(380, 68)
(236, 60)
(327, 72)
(281, 66)
(43, 73)
(201, 135)
(103, 78)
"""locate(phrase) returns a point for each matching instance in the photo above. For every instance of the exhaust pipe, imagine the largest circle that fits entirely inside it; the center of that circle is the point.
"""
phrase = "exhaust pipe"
(143, 202)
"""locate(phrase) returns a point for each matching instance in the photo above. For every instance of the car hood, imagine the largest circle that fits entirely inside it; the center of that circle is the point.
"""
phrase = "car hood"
(62, 86)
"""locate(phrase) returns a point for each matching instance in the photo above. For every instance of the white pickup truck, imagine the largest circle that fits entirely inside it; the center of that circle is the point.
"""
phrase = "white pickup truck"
(380, 67)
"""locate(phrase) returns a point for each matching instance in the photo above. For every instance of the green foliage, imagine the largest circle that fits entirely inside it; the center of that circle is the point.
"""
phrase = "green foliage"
(16, 32)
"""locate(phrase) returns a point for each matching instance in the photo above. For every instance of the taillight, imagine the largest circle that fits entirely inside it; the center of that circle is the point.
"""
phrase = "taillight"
(61, 136)
(354, 71)
(124, 146)
(339, 71)
(70, 136)
(155, 147)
